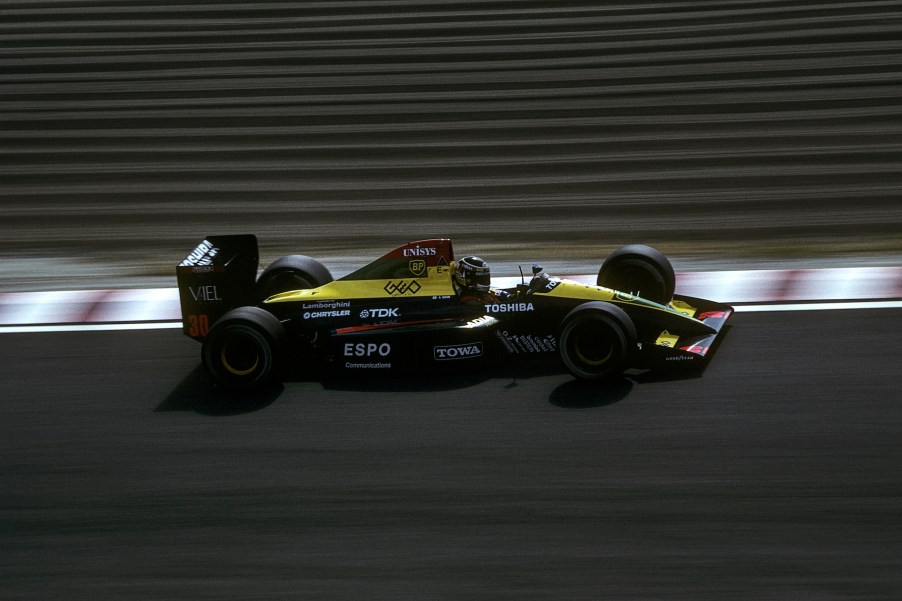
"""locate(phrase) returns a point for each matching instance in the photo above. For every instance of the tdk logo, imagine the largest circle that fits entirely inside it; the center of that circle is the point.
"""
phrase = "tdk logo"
(416, 251)
(457, 351)
(378, 313)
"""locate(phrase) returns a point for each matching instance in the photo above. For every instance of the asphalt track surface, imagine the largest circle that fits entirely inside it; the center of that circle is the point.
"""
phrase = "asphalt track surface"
(773, 476)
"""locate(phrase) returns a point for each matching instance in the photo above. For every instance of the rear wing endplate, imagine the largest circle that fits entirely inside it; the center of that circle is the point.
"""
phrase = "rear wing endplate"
(216, 276)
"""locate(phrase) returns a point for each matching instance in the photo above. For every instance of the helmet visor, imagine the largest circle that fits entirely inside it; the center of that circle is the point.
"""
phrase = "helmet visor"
(481, 281)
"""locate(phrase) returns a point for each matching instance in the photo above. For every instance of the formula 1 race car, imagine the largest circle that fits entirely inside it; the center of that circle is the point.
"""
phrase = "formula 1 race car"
(407, 310)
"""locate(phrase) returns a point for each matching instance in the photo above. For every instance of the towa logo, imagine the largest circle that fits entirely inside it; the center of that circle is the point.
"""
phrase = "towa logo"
(457, 351)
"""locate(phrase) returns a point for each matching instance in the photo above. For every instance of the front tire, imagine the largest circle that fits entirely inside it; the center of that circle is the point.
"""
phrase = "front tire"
(597, 341)
(244, 348)
(639, 270)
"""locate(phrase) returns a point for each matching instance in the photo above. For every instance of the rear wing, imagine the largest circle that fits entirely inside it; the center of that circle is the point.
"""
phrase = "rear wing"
(216, 276)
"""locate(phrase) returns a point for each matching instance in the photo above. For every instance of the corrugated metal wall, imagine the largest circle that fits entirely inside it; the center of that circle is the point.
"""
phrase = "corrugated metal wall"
(365, 121)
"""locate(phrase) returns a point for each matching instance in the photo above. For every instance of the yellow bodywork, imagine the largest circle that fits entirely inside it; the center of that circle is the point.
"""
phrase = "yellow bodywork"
(570, 289)
(436, 282)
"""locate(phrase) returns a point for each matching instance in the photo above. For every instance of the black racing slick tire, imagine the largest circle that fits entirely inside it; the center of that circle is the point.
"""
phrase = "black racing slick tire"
(244, 348)
(597, 341)
(640, 270)
(291, 272)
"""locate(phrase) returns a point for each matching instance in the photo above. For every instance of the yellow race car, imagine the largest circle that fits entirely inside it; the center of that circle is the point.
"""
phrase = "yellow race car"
(419, 308)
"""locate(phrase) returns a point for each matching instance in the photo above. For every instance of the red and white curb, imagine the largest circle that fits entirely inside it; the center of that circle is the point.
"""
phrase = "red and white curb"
(850, 287)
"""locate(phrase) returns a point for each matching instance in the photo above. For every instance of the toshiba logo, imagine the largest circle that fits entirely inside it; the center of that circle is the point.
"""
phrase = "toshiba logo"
(457, 351)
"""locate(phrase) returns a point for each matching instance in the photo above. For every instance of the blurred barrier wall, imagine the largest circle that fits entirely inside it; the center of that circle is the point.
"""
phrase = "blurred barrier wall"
(736, 130)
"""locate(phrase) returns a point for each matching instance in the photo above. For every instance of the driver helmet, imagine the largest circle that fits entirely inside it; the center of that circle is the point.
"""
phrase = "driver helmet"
(472, 273)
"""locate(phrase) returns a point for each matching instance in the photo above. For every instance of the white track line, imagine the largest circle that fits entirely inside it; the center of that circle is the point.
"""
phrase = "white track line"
(833, 306)
(91, 327)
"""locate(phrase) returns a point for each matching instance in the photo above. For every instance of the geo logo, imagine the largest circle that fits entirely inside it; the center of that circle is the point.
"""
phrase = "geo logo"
(402, 287)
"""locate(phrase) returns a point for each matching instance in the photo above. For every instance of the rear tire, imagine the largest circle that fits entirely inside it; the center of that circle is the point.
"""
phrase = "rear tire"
(639, 270)
(597, 341)
(244, 348)
(291, 272)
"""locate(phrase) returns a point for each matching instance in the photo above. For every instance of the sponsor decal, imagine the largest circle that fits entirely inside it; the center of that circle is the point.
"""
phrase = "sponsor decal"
(684, 308)
(418, 251)
(350, 365)
(326, 304)
(527, 343)
(379, 313)
(457, 351)
(367, 349)
(698, 349)
(509, 308)
(713, 315)
(198, 325)
(319, 314)
(667, 339)
(202, 255)
(402, 287)
(205, 294)
(417, 267)
(475, 323)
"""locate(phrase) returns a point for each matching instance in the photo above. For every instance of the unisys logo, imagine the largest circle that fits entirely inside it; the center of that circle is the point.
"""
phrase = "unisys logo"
(420, 251)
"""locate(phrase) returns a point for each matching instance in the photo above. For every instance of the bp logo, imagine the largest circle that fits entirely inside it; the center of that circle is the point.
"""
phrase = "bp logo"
(417, 267)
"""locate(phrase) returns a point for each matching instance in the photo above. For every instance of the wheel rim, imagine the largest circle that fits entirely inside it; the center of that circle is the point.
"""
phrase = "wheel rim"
(593, 347)
(592, 351)
(240, 358)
